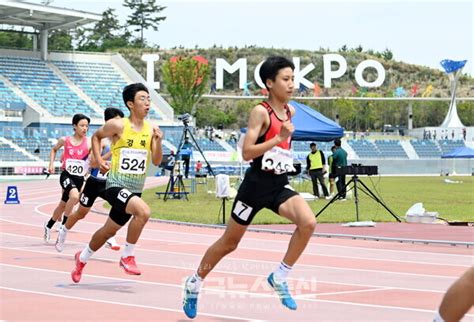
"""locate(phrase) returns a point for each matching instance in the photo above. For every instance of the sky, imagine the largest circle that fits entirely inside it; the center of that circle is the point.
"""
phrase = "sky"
(422, 32)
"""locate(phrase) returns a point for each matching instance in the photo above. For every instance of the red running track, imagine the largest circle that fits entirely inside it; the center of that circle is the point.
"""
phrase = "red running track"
(335, 279)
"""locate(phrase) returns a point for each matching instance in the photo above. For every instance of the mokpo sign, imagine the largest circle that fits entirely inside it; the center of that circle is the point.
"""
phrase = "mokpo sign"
(240, 66)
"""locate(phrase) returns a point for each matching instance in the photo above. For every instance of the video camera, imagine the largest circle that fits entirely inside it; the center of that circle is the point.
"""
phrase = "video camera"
(357, 169)
(185, 118)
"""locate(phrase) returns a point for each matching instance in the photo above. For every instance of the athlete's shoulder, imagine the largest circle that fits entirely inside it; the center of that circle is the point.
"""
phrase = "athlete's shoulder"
(116, 124)
(259, 109)
(291, 109)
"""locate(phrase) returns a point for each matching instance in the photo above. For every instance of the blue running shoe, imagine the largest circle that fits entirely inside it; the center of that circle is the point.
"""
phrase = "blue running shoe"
(190, 298)
(282, 291)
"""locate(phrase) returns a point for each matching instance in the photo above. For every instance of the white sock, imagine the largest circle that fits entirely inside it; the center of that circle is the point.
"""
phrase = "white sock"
(112, 241)
(86, 254)
(438, 318)
(128, 250)
(195, 282)
(281, 273)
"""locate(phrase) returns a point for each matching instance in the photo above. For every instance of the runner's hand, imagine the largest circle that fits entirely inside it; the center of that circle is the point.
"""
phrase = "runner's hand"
(157, 133)
(287, 128)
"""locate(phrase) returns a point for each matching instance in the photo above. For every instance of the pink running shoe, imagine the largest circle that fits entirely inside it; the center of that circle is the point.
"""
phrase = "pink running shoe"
(129, 265)
(76, 274)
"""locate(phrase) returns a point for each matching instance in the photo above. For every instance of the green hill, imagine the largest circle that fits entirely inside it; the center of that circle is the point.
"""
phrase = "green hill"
(354, 115)
(397, 73)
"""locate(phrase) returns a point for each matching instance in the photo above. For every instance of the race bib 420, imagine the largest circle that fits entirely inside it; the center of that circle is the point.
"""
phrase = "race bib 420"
(76, 167)
(133, 161)
(278, 160)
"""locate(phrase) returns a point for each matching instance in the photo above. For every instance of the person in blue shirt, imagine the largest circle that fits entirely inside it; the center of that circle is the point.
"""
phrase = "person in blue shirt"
(186, 152)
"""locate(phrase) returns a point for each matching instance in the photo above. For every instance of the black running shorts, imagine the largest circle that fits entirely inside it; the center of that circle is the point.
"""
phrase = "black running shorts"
(118, 198)
(94, 188)
(259, 190)
(69, 182)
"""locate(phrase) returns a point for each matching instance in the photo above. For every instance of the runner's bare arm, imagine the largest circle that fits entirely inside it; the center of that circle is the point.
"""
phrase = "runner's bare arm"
(111, 129)
(52, 155)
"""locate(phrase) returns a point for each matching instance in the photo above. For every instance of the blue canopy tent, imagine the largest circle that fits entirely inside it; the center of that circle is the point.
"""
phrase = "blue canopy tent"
(461, 152)
(313, 126)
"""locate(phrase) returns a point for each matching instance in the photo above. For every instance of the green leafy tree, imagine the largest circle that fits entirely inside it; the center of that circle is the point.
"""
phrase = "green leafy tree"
(387, 54)
(15, 40)
(143, 16)
(60, 40)
(209, 114)
(106, 34)
(186, 80)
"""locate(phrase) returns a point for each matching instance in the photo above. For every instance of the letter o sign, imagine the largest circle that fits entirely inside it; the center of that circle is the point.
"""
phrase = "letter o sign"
(369, 63)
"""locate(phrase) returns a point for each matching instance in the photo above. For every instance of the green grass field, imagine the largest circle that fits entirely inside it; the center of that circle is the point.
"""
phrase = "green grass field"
(451, 201)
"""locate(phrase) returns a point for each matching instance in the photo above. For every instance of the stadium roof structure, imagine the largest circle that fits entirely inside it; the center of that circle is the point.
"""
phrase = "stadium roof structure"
(41, 17)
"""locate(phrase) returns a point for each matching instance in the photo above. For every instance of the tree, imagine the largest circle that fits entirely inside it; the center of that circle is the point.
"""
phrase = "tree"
(15, 39)
(143, 16)
(387, 54)
(186, 80)
(60, 40)
(106, 34)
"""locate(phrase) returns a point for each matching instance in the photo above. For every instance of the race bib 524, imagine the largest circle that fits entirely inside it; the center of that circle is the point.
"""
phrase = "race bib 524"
(133, 161)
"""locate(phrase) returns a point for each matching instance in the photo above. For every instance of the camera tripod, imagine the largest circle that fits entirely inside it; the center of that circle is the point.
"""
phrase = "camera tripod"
(366, 190)
(176, 187)
(177, 179)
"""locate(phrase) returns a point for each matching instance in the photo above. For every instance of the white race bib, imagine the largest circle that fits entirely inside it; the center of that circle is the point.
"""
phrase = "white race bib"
(278, 160)
(133, 161)
(102, 176)
(76, 167)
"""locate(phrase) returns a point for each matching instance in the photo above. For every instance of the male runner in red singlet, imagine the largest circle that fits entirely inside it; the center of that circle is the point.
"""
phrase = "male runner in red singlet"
(265, 185)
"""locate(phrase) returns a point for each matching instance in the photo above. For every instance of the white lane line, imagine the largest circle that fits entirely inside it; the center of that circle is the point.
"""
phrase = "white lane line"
(227, 291)
(281, 251)
(160, 308)
(277, 241)
(192, 269)
(342, 292)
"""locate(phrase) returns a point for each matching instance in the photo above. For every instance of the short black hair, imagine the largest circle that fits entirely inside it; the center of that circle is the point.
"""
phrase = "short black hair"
(272, 65)
(129, 92)
(312, 144)
(337, 142)
(111, 112)
(78, 117)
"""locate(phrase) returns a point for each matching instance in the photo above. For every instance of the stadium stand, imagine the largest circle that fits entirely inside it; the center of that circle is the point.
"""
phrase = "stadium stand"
(13, 102)
(365, 149)
(426, 148)
(447, 146)
(390, 149)
(9, 154)
(38, 81)
(100, 81)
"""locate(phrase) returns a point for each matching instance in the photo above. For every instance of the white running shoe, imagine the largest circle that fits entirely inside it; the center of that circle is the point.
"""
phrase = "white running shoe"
(47, 233)
(112, 244)
(61, 239)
